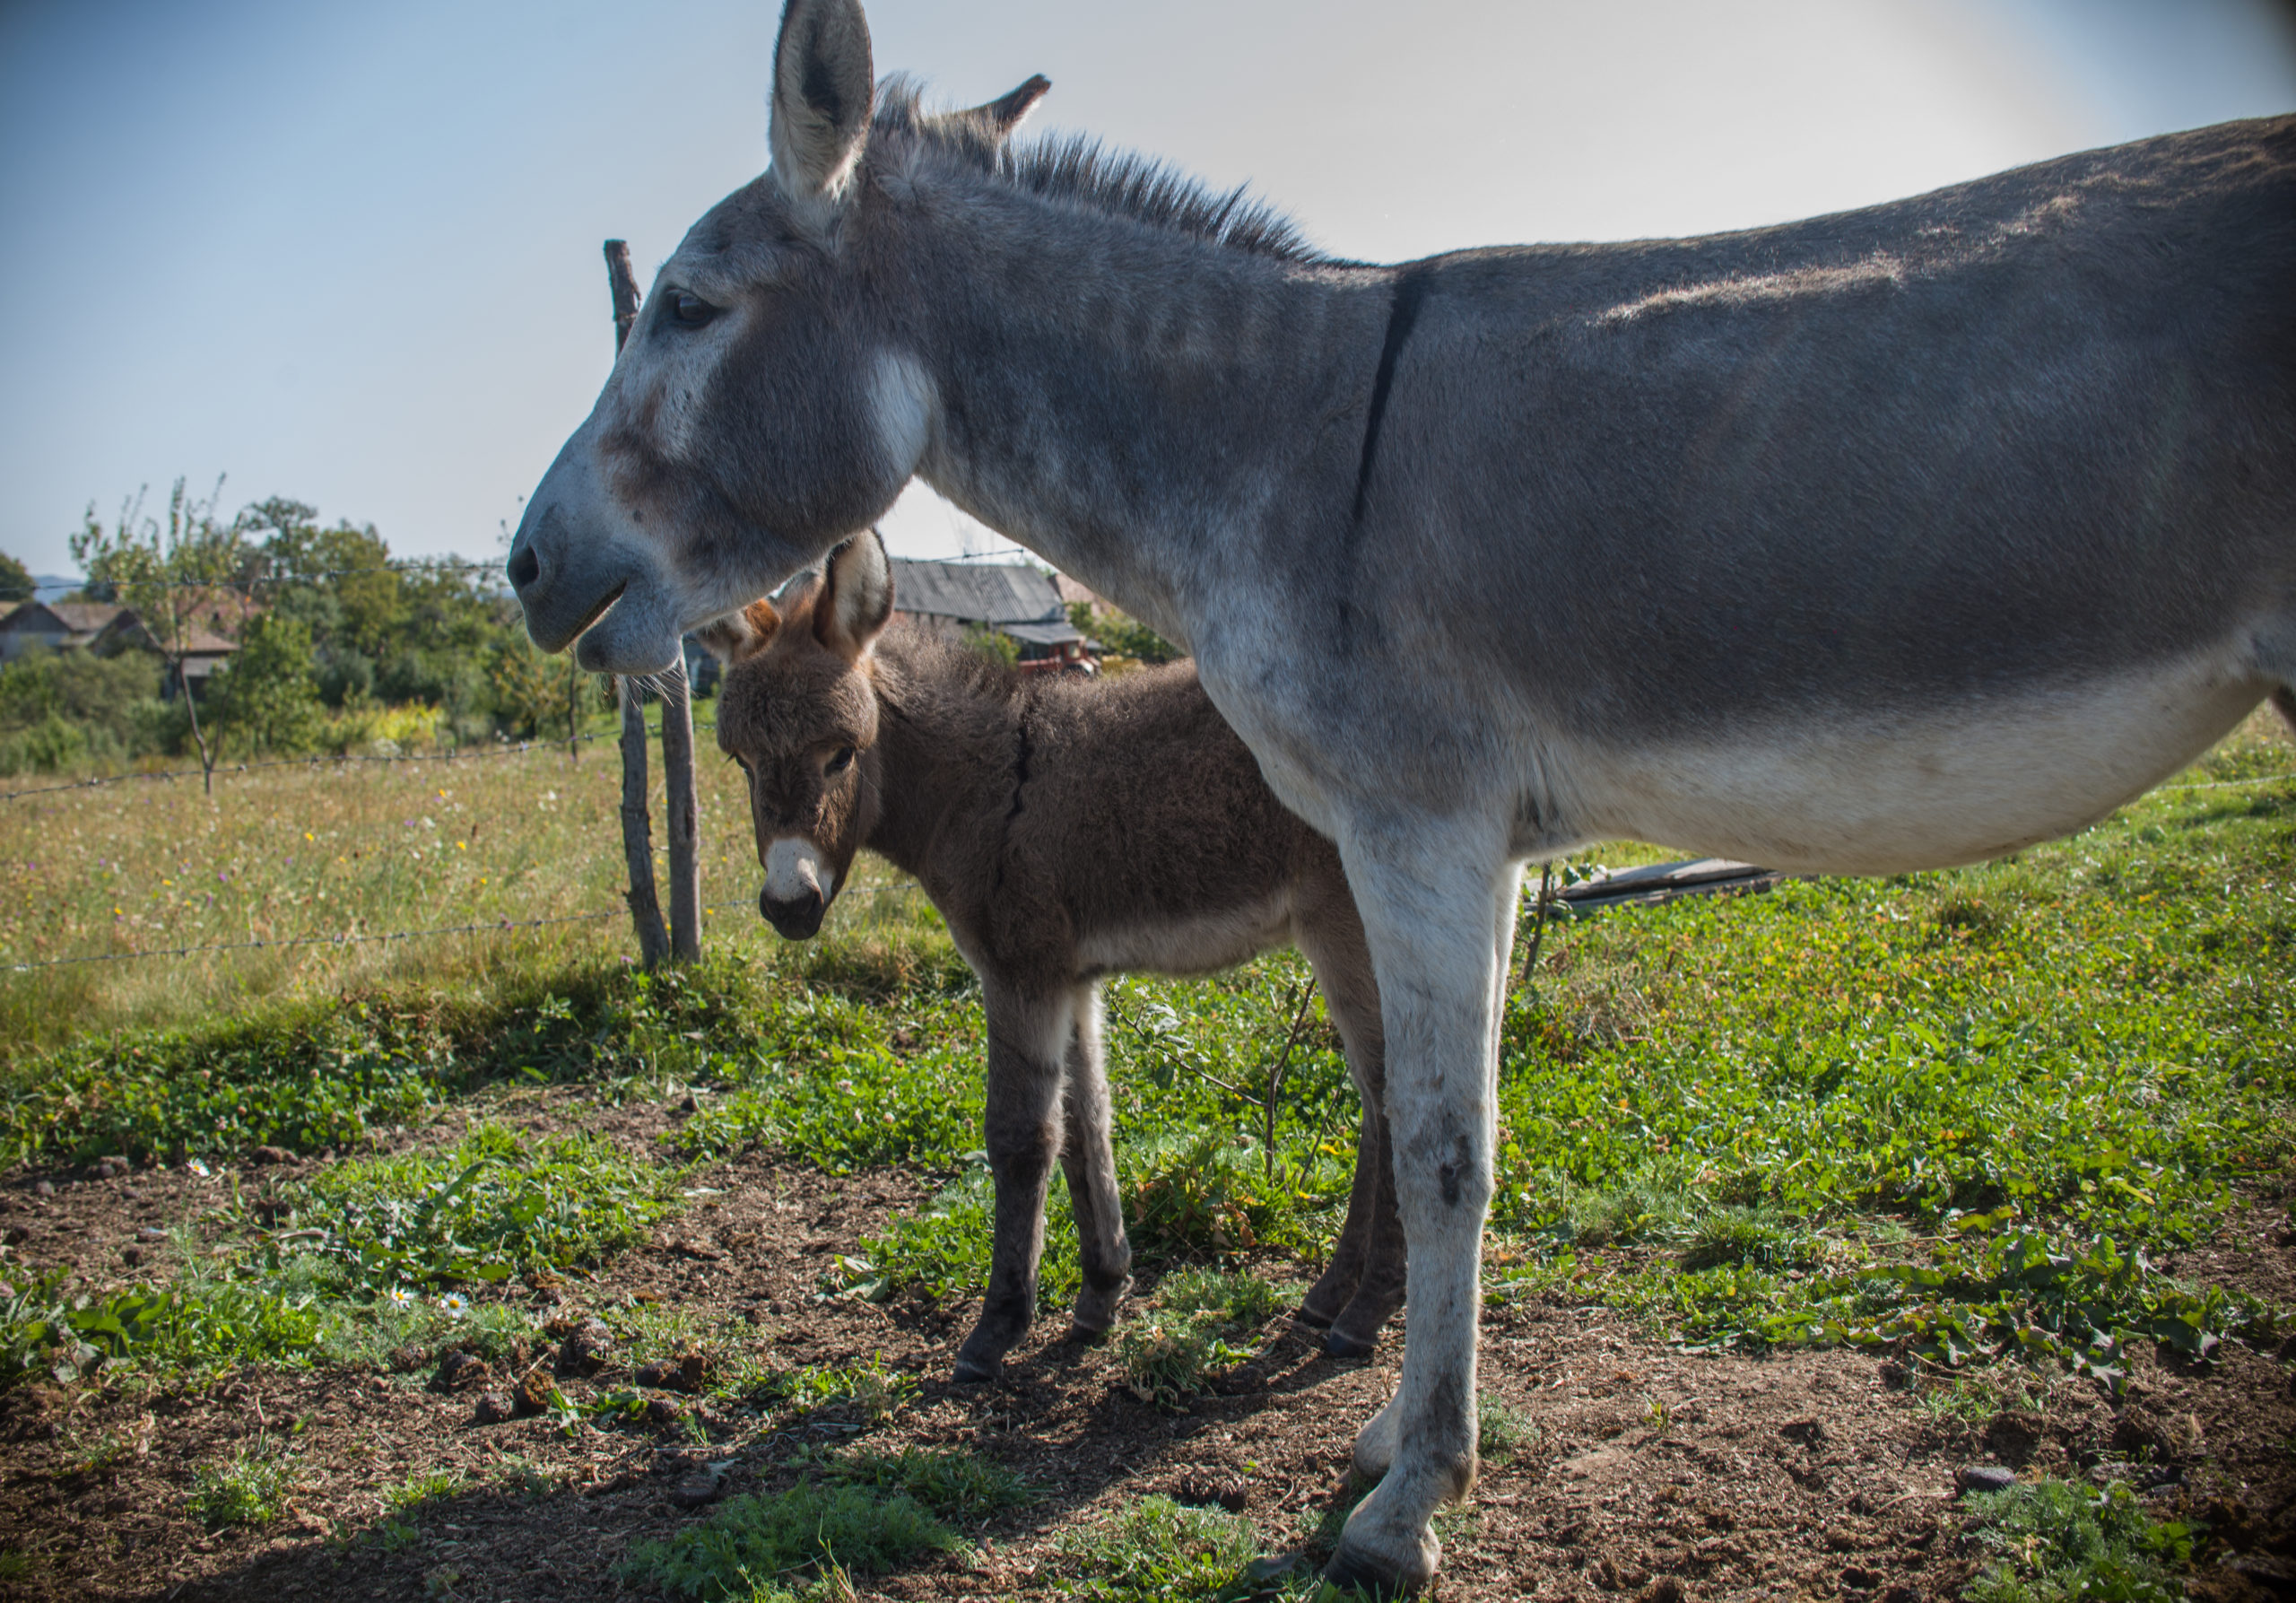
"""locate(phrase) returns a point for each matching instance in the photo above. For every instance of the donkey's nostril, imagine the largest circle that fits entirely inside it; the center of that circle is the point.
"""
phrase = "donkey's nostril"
(525, 566)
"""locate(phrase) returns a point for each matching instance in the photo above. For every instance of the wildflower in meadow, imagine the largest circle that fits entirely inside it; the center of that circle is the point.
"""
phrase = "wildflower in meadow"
(455, 1304)
(399, 1297)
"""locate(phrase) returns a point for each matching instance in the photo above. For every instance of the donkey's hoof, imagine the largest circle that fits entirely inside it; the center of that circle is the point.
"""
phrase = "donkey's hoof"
(1354, 1571)
(1339, 1344)
(973, 1371)
(1081, 1335)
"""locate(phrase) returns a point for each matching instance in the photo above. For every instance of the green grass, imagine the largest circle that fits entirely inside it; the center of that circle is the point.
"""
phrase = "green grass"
(953, 1483)
(2058, 1542)
(492, 1206)
(753, 1545)
(1155, 1551)
(1951, 1110)
(251, 1488)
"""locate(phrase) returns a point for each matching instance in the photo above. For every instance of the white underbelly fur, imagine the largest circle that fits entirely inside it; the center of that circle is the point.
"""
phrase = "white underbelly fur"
(1892, 792)
(1186, 946)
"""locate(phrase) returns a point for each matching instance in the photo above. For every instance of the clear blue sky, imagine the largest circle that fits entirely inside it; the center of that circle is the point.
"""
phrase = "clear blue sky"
(350, 253)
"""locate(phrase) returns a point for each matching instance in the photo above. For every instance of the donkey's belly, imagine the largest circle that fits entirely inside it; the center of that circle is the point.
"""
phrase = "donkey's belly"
(1846, 790)
(1193, 943)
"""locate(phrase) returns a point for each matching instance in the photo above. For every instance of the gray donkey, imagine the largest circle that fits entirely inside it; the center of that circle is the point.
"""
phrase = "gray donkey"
(1066, 830)
(1883, 541)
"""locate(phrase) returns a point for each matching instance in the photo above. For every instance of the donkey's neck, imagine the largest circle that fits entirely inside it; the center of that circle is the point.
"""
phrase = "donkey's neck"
(1127, 401)
(942, 753)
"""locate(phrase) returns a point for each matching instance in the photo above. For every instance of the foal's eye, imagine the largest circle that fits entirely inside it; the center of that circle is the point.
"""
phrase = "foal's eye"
(841, 760)
(690, 311)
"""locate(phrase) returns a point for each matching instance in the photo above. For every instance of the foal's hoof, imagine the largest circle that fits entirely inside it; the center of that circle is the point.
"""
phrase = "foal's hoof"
(1081, 1335)
(1339, 1344)
(973, 1371)
(1353, 1570)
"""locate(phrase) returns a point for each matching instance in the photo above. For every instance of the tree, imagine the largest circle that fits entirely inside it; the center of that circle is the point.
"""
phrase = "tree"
(266, 697)
(172, 574)
(15, 579)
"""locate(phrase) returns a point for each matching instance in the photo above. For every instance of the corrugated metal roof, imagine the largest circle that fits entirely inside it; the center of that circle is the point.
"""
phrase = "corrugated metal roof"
(977, 592)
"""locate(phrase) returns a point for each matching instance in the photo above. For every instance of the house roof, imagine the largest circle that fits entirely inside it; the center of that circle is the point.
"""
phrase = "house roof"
(1010, 597)
(75, 617)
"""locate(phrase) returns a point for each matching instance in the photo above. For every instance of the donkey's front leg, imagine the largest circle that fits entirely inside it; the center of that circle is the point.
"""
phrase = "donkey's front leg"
(1027, 1037)
(1090, 1166)
(1434, 905)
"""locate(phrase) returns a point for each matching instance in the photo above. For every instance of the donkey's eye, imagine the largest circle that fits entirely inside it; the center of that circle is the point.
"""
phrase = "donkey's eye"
(690, 311)
(841, 760)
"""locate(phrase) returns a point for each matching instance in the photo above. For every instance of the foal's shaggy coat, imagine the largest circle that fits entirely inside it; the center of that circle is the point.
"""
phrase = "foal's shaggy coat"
(1065, 830)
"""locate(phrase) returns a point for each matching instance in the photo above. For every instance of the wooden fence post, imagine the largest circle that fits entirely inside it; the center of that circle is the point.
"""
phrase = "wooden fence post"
(638, 830)
(684, 815)
(654, 942)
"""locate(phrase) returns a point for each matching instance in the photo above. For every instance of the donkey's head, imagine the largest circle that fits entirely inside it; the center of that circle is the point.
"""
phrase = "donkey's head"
(798, 713)
(766, 404)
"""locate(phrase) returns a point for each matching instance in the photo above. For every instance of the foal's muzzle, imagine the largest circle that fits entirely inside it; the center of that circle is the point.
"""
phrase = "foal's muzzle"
(795, 919)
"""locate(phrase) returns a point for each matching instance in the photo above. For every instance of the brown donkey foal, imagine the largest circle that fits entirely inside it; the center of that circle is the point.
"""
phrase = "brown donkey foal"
(1065, 830)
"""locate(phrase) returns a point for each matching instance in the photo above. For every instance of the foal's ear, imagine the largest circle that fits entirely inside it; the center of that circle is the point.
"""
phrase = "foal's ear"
(738, 636)
(856, 599)
(822, 90)
(1002, 115)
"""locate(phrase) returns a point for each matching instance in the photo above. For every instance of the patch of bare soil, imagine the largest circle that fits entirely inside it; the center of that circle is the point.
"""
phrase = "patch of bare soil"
(1648, 1473)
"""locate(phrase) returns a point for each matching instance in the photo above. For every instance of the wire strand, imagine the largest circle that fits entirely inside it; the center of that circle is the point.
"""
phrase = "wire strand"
(497, 927)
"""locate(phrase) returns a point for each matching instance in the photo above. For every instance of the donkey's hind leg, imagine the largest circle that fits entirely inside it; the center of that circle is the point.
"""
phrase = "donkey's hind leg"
(1028, 1041)
(1086, 1158)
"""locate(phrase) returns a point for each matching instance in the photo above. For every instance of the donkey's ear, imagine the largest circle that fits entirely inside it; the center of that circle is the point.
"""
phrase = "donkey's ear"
(738, 636)
(856, 597)
(823, 89)
(1002, 115)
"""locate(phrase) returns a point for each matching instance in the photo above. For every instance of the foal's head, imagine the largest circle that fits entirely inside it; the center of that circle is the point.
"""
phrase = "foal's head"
(799, 714)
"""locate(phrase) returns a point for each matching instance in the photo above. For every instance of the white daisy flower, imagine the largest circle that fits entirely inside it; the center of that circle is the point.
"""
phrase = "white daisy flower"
(455, 1304)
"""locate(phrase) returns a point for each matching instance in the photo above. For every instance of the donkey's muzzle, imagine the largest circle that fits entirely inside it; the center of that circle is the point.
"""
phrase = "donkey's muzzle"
(796, 918)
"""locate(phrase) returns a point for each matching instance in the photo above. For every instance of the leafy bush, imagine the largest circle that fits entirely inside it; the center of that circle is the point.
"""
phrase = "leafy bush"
(264, 701)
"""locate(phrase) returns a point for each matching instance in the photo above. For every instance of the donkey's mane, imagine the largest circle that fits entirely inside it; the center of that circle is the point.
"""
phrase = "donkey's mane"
(1081, 171)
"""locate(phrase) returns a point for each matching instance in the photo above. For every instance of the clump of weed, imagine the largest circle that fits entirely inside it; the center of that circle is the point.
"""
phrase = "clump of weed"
(249, 1489)
(751, 1545)
(1660, 1197)
(1155, 1551)
(951, 1482)
(2060, 1542)
(1743, 1235)
(491, 1206)
(1238, 1299)
(869, 1389)
(1170, 1353)
(1501, 1430)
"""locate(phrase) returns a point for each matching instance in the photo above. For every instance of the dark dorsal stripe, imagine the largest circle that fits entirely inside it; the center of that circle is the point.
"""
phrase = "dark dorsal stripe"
(1403, 311)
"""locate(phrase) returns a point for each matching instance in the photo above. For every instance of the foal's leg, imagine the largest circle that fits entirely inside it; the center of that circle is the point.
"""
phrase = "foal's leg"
(1091, 1166)
(1028, 1038)
(1364, 1286)
(1438, 902)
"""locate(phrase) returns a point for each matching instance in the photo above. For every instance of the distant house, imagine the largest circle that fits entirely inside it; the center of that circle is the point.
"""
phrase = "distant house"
(1014, 599)
(57, 625)
(202, 651)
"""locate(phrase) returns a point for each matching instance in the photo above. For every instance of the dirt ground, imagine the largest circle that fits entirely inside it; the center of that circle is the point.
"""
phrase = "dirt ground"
(1649, 1472)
